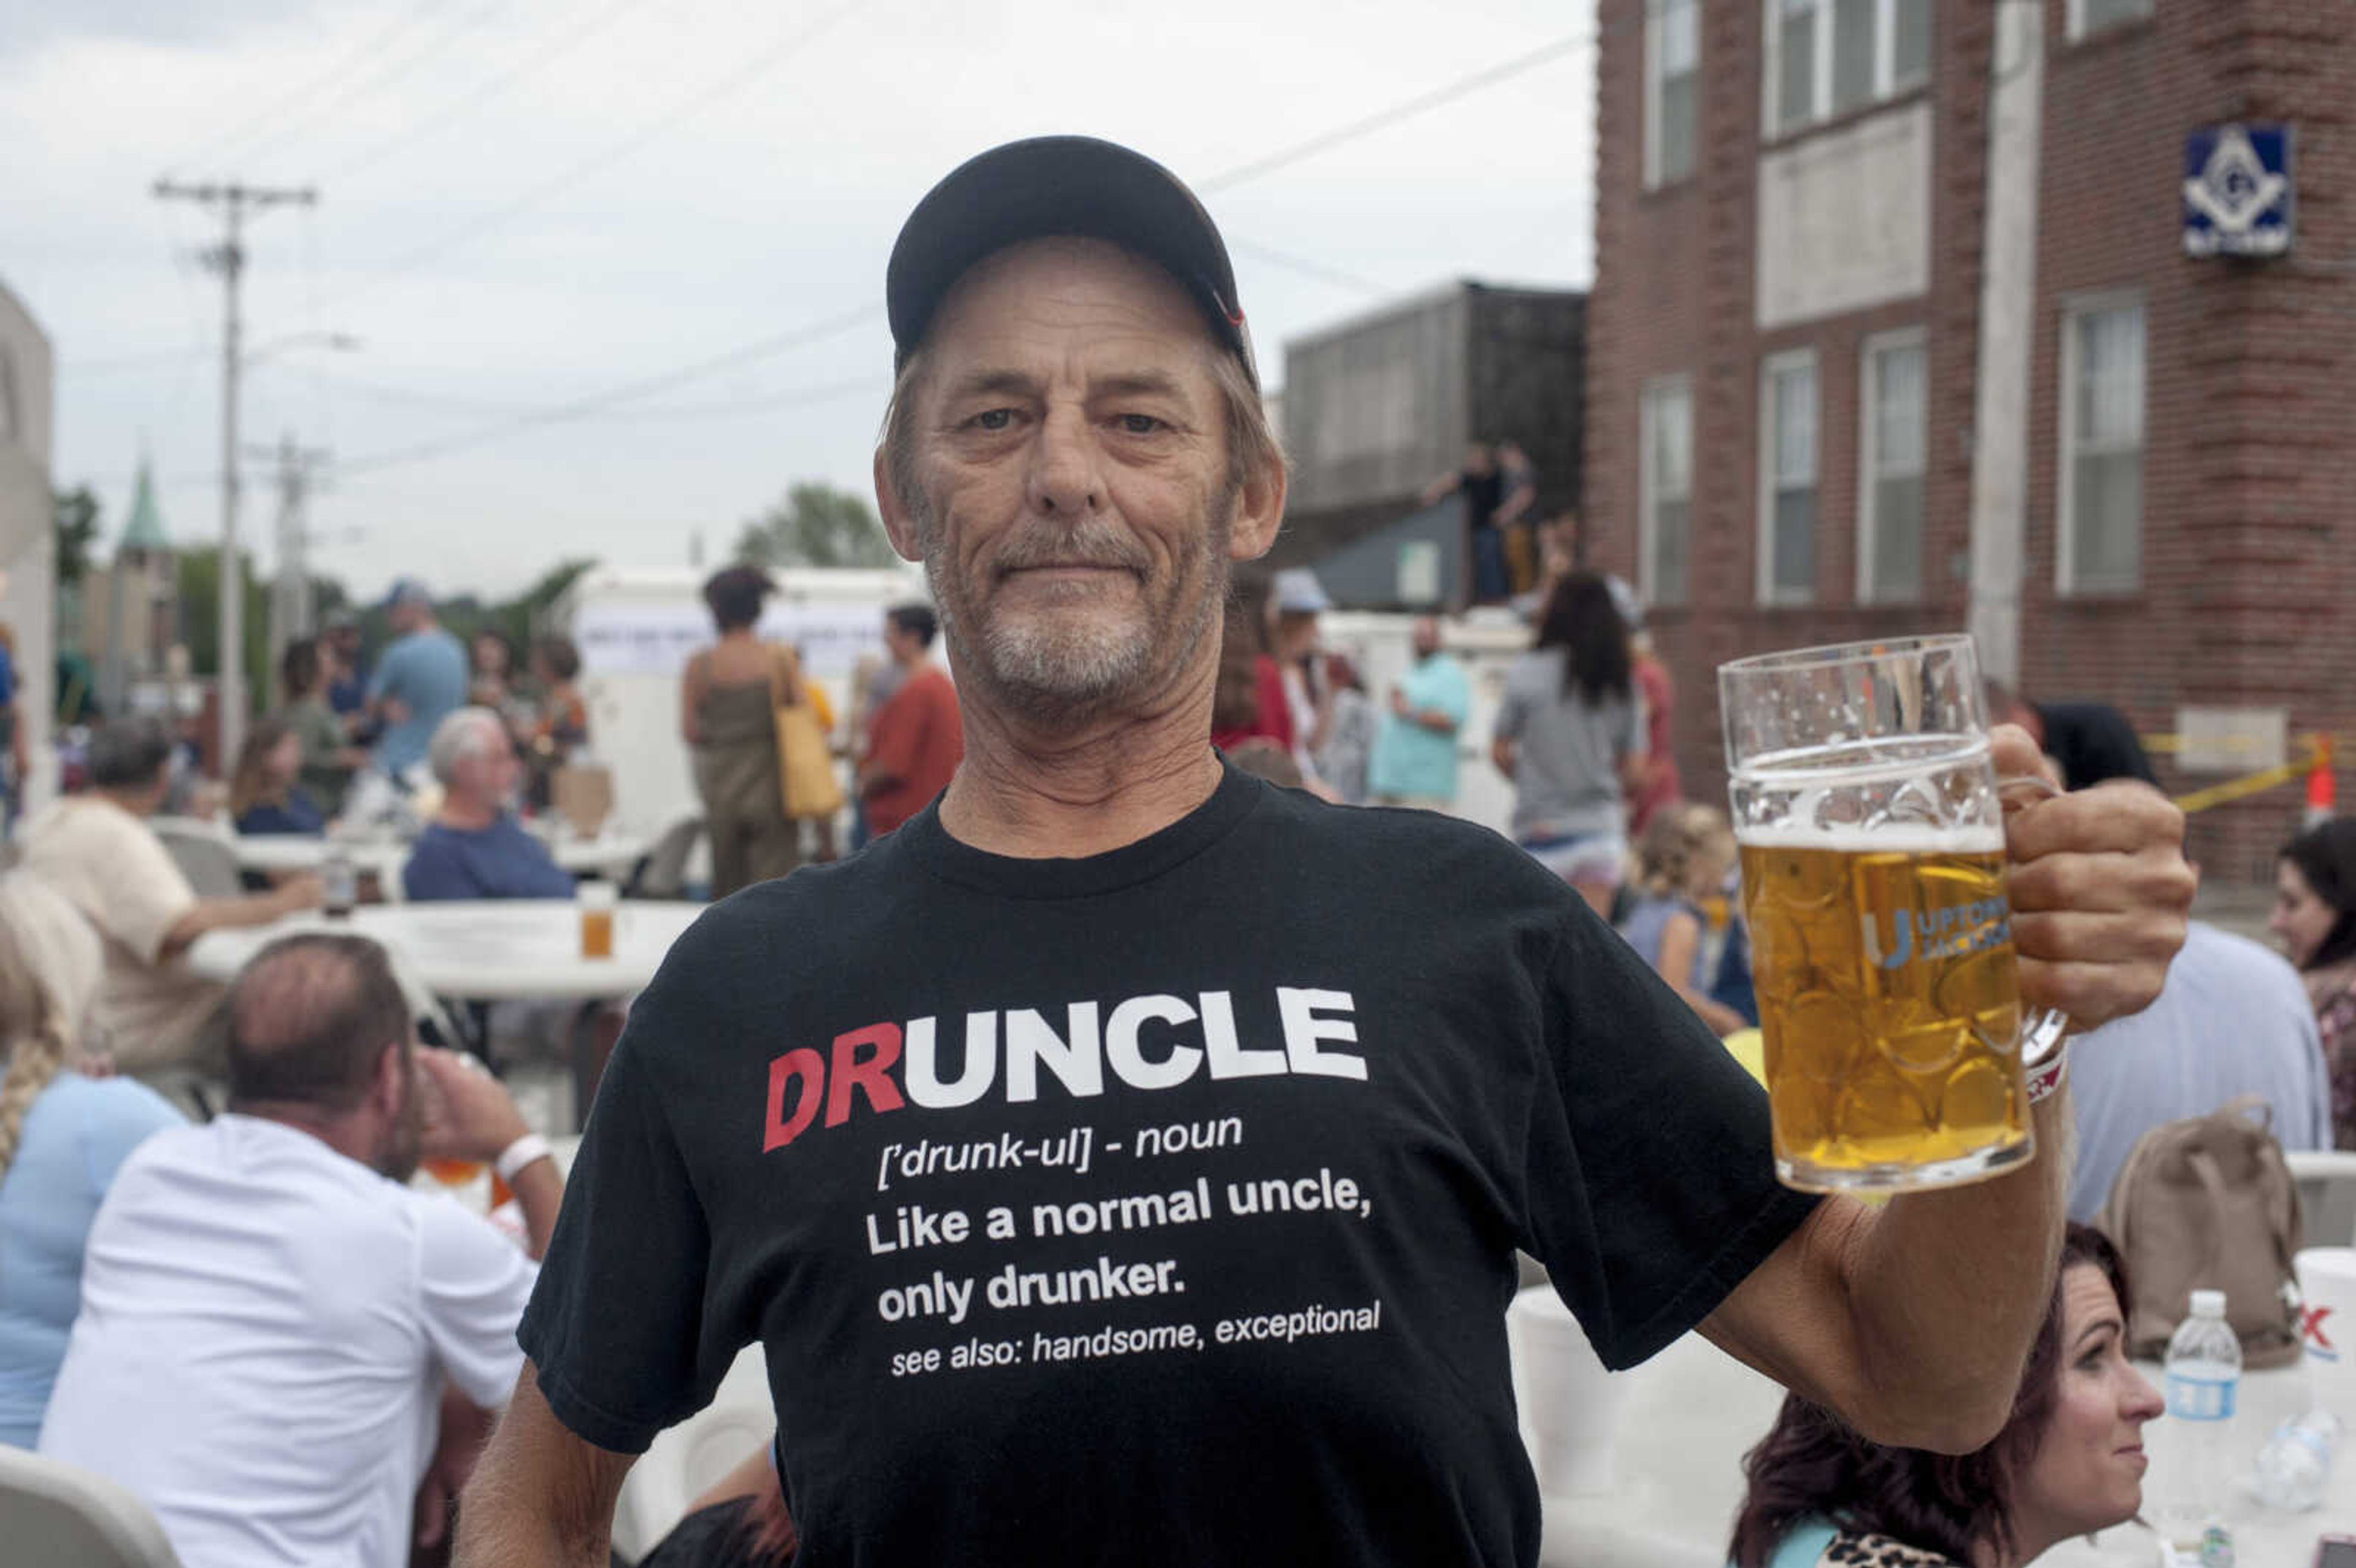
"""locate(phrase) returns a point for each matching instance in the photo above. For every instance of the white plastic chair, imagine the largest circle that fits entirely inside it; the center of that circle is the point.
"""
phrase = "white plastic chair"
(52, 1512)
(684, 1461)
(203, 853)
(661, 871)
(2327, 1193)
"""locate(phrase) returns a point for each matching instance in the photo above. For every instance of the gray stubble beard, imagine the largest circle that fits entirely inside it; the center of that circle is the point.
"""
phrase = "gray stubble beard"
(1062, 678)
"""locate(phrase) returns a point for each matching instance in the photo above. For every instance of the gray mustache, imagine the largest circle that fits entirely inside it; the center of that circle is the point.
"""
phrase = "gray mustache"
(1089, 542)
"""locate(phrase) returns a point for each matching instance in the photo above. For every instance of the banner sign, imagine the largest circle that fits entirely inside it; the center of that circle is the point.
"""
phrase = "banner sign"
(658, 638)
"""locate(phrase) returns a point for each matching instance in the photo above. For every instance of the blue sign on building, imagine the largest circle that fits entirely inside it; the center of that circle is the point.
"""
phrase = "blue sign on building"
(2238, 192)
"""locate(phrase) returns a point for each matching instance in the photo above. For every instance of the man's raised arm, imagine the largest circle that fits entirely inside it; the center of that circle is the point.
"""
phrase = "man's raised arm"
(540, 1498)
(1913, 1322)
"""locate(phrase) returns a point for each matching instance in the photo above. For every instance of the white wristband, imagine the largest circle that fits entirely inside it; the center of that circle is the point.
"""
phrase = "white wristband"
(522, 1152)
(2048, 1075)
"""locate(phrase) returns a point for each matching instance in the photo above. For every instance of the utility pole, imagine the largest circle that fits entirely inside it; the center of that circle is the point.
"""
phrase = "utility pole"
(235, 203)
(290, 589)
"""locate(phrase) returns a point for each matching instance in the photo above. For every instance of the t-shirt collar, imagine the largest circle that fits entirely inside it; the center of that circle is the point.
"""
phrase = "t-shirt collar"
(923, 837)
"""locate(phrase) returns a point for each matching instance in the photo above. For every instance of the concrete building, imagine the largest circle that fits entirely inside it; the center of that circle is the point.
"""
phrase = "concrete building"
(27, 531)
(1376, 407)
(1901, 324)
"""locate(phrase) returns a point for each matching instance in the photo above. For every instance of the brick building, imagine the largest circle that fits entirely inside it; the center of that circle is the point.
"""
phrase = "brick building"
(1843, 383)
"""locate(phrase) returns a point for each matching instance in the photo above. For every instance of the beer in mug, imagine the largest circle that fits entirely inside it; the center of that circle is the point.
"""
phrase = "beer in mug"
(1865, 808)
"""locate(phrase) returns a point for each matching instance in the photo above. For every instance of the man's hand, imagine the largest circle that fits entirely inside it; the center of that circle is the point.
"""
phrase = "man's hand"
(298, 892)
(2099, 888)
(468, 1114)
(1398, 702)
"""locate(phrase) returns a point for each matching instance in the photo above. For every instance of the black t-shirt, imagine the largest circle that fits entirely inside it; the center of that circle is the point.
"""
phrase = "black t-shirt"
(1158, 1207)
(1483, 492)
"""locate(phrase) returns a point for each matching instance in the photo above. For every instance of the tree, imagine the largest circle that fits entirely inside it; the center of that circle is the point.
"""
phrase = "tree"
(76, 512)
(816, 525)
(199, 588)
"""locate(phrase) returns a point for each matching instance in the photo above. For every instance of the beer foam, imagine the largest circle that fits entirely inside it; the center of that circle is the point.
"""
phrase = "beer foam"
(1882, 838)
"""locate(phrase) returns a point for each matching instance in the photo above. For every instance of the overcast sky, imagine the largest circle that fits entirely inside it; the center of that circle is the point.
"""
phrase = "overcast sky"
(529, 203)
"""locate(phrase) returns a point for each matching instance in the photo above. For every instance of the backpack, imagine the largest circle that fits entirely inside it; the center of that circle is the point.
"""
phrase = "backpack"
(2208, 1203)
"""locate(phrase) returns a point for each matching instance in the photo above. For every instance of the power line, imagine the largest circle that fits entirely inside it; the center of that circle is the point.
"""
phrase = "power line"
(582, 408)
(394, 70)
(485, 93)
(1307, 268)
(736, 82)
(1384, 118)
(405, 18)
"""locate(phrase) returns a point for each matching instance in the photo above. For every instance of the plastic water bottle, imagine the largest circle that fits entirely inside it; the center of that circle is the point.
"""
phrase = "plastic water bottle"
(340, 883)
(2204, 1376)
(2294, 1466)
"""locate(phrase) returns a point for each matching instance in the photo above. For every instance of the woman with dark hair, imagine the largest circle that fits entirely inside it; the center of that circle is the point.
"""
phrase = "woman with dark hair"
(727, 707)
(263, 795)
(1570, 734)
(559, 720)
(329, 759)
(2069, 1462)
(2315, 920)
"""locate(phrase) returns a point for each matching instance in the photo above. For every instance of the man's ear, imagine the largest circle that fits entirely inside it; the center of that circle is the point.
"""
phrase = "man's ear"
(395, 1078)
(1259, 513)
(898, 526)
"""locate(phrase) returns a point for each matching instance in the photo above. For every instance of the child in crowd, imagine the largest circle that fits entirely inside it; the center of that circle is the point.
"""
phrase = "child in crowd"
(1683, 860)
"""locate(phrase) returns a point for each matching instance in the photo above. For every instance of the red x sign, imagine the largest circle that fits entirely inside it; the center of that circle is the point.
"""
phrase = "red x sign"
(2311, 1329)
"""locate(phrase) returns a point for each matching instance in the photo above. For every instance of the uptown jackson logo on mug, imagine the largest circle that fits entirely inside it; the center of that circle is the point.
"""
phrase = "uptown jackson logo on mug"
(1951, 931)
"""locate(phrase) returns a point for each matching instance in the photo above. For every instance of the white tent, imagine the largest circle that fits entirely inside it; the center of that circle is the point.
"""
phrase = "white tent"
(27, 534)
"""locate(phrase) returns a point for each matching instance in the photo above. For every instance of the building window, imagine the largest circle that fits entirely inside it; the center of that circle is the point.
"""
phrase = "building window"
(1787, 478)
(2101, 511)
(1829, 57)
(2092, 15)
(1894, 415)
(1672, 89)
(1665, 501)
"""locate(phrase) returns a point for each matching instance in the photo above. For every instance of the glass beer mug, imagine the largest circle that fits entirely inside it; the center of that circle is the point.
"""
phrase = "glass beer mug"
(1868, 812)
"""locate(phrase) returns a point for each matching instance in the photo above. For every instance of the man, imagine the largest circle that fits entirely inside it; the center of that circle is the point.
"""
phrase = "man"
(268, 1311)
(339, 646)
(475, 847)
(916, 740)
(1415, 749)
(2091, 742)
(420, 681)
(96, 850)
(2232, 1020)
(1127, 1157)
(1482, 485)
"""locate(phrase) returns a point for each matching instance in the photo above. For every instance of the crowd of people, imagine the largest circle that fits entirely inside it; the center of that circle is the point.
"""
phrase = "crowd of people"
(252, 1321)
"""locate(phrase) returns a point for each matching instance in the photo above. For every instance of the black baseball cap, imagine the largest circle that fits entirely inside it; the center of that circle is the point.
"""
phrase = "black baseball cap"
(1059, 184)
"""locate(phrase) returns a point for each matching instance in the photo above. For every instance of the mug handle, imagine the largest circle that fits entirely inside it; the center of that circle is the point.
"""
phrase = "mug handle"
(2042, 1033)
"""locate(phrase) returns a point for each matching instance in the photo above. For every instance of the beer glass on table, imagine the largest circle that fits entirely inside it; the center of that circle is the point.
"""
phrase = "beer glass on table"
(1868, 812)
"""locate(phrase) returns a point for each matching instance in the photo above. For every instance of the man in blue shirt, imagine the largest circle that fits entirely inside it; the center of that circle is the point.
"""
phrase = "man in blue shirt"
(1415, 751)
(475, 849)
(420, 681)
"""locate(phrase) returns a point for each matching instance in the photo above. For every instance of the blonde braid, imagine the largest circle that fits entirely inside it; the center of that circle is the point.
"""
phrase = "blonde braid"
(33, 1061)
(50, 971)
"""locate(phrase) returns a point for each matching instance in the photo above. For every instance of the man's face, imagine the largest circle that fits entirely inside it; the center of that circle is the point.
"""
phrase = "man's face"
(489, 776)
(1073, 512)
(896, 641)
(1426, 637)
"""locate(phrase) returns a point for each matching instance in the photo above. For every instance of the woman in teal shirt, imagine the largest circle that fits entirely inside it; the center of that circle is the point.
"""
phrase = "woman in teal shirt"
(62, 1138)
(2068, 1463)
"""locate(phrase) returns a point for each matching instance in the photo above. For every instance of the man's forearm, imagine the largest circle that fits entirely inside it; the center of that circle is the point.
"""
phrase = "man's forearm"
(219, 914)
(539, 1190)
(1948, 1287)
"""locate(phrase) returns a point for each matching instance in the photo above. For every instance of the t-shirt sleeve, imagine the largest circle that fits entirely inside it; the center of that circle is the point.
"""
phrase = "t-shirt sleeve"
(385, 679)
(1453, 695)
(1649, 1182)
(614, 1329)
(472, 1284)
(142, 893)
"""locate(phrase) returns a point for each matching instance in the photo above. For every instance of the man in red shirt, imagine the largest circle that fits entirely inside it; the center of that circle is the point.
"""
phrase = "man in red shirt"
(916, 740)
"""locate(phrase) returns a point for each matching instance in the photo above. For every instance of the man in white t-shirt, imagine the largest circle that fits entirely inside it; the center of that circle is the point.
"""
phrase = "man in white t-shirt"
(96, 850)
(268, 1311)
